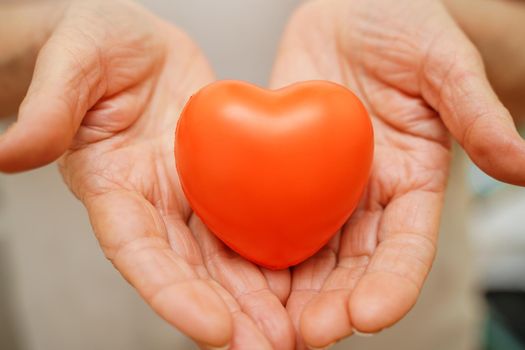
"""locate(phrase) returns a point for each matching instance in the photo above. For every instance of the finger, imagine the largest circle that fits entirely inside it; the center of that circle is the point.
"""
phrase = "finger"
(67, 81)
(133, 237)
(498, 49)
(24, 27)
(247, 284)
(279, 282)
(455, 84)
(307, 281)
(398, 267)
(90, 55)
(246, 334)
(326, 318)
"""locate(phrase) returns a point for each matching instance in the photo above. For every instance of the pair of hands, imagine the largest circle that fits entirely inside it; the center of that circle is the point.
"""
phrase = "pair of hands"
(109, 85)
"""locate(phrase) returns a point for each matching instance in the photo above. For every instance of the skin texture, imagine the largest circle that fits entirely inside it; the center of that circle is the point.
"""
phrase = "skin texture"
(24, 27)
(501, 46)
(105, 99)
(420, 79)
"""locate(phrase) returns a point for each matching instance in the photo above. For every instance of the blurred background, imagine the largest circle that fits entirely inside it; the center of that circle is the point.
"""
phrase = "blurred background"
(57, 291)
(496, 227)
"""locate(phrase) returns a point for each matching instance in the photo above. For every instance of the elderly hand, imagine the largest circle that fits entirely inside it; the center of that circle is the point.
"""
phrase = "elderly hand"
(107, 90)
(420, 79)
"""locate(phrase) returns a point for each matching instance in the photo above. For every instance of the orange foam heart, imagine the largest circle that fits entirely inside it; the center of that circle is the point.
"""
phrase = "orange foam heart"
(274, 174)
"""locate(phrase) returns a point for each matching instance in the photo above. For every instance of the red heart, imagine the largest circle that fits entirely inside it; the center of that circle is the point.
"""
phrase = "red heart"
(274, 174)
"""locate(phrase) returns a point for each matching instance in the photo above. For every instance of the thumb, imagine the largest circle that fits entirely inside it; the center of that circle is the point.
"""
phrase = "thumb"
(455, 84)
(67, 81)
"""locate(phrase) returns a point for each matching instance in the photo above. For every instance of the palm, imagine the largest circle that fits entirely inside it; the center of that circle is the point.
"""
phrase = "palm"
(123, 169)
(117, 94)
(371, 273)
(122, 166)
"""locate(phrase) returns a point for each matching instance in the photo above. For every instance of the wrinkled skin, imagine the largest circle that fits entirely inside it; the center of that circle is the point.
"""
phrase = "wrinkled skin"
(419, 77)
(106, 98)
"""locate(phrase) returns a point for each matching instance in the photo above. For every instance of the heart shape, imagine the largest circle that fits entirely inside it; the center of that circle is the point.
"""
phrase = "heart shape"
(274, 174)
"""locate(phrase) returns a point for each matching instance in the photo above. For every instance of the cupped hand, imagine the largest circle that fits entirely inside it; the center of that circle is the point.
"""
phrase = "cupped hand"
(420, 79)
(107, 90)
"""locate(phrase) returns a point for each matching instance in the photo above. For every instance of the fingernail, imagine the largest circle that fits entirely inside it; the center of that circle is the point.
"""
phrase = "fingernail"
(322, 348)
(362, 334)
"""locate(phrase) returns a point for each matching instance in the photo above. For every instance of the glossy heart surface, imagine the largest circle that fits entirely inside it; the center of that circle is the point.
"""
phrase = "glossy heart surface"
(274, 173)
